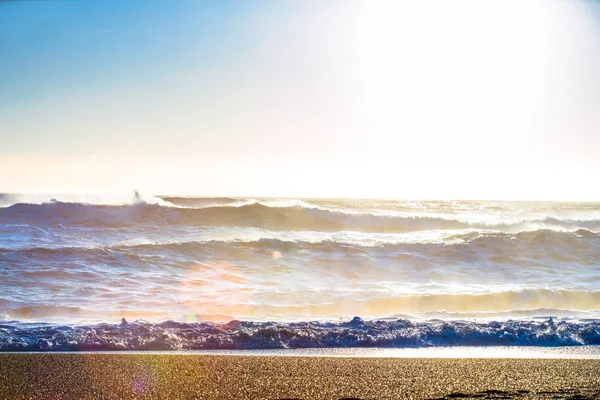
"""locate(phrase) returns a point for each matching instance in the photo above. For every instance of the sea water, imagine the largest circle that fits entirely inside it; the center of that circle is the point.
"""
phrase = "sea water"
(177, 273)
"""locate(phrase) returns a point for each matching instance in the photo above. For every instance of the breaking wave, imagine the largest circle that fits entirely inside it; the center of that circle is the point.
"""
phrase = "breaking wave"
(582, 246)
(287, 218)
(235, 334)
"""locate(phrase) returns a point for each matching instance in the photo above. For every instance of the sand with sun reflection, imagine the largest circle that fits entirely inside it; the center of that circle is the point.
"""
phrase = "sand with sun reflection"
(188, 376)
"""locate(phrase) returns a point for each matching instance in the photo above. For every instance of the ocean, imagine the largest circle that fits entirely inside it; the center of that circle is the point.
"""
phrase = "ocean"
(192, 273)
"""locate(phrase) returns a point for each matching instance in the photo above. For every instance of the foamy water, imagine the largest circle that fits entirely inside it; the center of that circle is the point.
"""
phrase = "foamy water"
(503, 273)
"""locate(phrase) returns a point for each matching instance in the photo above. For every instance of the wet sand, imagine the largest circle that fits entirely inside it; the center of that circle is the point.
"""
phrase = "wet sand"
(190, 376)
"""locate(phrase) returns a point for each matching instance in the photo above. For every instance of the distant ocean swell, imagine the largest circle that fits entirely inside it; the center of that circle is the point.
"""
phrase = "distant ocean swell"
(290, 218)
(270, 335)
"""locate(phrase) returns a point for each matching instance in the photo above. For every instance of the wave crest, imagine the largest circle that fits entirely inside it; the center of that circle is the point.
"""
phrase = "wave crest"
(269, 335)
(289, 218)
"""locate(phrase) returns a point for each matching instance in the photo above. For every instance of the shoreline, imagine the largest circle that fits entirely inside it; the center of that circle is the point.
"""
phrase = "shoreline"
(586, 352)
(186, 376)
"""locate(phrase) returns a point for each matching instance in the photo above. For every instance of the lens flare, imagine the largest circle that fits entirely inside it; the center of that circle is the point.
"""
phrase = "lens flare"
(215, 292)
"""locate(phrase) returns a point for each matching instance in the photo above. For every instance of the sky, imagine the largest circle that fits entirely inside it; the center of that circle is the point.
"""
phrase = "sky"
(461, 99)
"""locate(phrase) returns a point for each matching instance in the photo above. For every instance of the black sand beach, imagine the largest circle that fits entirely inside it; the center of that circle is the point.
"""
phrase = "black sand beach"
(189, 376)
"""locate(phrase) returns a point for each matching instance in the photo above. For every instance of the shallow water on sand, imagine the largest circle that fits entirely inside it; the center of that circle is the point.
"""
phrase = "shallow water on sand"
(579, 352)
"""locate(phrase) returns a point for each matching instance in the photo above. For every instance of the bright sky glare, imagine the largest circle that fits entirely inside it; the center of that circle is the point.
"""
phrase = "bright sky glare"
(461, 99)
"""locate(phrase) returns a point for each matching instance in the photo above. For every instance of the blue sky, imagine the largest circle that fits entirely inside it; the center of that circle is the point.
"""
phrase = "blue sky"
(312, 98)
(54, 46)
